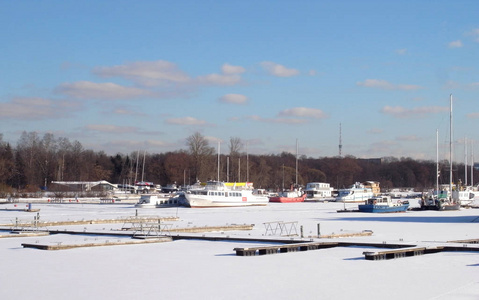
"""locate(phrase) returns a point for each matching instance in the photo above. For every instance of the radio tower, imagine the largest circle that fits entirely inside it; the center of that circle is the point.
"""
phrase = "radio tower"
(340, 140)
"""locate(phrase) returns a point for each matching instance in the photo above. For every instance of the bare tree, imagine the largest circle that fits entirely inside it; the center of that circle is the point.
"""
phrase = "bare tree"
(235, 147)
(200, 151)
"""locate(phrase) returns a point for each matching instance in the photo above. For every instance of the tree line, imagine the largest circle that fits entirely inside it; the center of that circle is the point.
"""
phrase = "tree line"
(36, 161)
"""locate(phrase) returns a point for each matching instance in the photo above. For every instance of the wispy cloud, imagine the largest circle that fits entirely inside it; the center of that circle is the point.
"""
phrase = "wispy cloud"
(187, 121)
(278, 70)
(32, 108)
(304, 112)
(147, 73)
(127, 111)
(233, 99)
(401, 51)
(111, 128)
(455, 44)
(401, 112)
(375, 130)
(230, 69)
(457, 85)
(408, 138)
(219, 79)
(473, 115)
(277, 120)
(108, 91)
(383, 84)
(475, 34)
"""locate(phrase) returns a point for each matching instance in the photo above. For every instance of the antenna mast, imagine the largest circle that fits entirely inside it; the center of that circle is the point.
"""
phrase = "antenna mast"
(340, 140)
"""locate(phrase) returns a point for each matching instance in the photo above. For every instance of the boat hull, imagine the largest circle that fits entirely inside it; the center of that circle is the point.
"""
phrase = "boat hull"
(371, 208)
(287, 199)
(197, 201)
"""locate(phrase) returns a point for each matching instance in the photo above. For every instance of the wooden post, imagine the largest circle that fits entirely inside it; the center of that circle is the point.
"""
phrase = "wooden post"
(319, 231)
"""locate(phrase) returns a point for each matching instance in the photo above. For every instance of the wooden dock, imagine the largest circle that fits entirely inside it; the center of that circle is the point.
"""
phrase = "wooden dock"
(90, 222)
(60, 246)
(24, 234)
(285, 248)
(397, 250)
(214, 228)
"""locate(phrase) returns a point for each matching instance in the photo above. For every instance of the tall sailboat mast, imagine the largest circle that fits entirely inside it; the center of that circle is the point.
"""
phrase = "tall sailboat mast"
(296, 162)
(465, 161)
(472, 163)
(219, 161)
(450, 146)
(437, 162)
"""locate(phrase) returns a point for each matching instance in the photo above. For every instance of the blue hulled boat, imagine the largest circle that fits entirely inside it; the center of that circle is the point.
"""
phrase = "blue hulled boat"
(383, 204)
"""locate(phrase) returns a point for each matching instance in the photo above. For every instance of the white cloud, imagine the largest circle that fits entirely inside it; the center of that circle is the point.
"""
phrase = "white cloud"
(475, 34)
(233, 99)
(375, 131)
(186, 121)
(401, 112)
(127, 111)
(108, 90)
(473, 115)
(383, 84)
(292, 121)
(230, 69)
(111, 128)
(401, 51)
(278, 70)
(455, 44)
(408, 138)
(33, 108)
(147, 73)
(450, 84)
(303, 112)
(219, 79)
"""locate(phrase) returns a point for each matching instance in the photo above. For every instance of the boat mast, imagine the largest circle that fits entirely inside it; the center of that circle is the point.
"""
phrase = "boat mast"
(465, 161)
(472, 163)
(450, 145)
(296, 162)
(136, 170)
(143, 167)
(437, 162)
(340, 141)
(227, 169)
(218, 161)
(247, 163)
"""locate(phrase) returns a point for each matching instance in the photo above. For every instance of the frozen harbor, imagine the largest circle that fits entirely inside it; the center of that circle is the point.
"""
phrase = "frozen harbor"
(200, 269)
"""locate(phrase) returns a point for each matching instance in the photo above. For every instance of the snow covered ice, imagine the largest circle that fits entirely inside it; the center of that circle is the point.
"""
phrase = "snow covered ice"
(199, 269)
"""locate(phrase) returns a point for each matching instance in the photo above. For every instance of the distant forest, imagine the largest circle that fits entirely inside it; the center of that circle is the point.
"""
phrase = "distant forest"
(36, 161)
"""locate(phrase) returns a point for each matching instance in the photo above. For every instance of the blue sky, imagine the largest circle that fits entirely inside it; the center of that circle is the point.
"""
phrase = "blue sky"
(122, 76)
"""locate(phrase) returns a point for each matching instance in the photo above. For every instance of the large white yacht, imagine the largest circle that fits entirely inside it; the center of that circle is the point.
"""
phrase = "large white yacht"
(356, 193)
(318, 191)
(218, 194)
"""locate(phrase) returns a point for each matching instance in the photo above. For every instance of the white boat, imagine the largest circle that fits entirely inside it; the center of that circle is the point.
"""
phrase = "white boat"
(318, 191)
(218, 194)
(156, 200)
(383, 204)
(445, 199)
(356, 193)
(464, 197)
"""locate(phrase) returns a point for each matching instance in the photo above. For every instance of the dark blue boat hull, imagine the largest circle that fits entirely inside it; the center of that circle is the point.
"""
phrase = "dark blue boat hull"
(371, 208)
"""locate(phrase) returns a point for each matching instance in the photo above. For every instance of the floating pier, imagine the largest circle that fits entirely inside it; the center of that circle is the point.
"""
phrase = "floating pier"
(285, 248)
(61, 246)
(98, 221)
(397, 250)
(15, 234)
